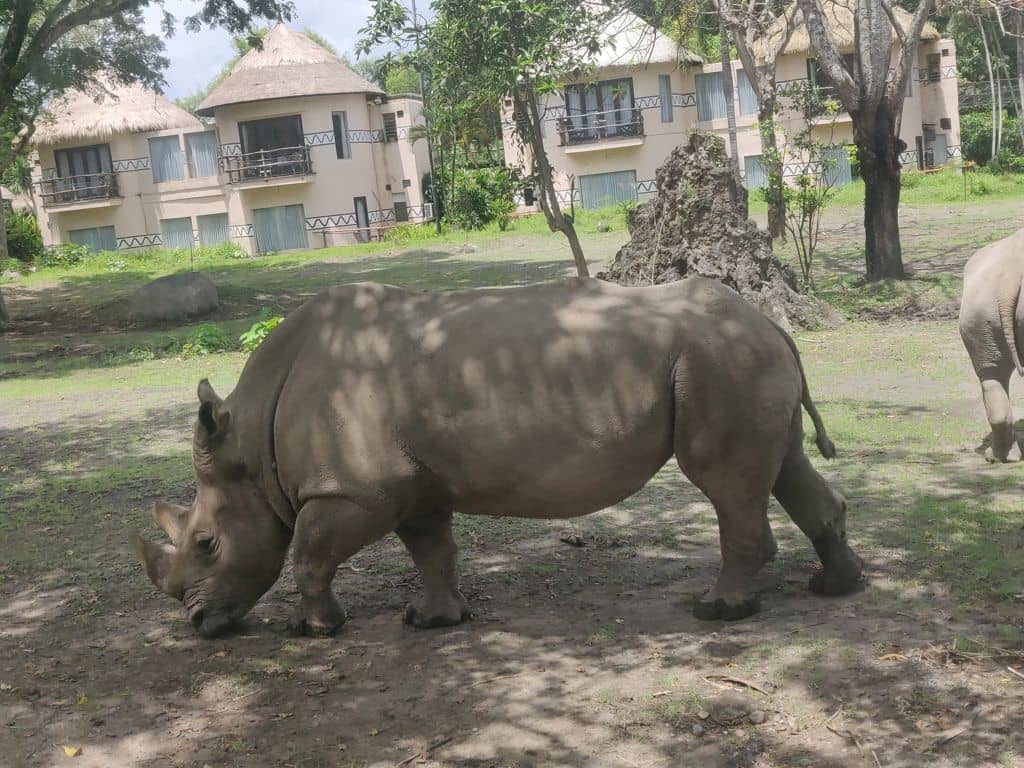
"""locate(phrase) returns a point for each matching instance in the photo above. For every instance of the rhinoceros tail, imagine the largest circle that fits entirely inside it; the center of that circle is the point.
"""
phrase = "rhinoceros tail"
(1009, 310)
(821, 438)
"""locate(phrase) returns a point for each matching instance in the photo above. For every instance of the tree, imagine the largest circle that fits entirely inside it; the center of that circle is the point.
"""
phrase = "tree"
(51, 46)
(481, 52)
(874, 98)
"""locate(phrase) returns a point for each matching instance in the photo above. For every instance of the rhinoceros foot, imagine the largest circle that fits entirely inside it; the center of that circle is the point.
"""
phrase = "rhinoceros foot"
(427, 614)
(319, 618)
(712, 609)
(843, 571)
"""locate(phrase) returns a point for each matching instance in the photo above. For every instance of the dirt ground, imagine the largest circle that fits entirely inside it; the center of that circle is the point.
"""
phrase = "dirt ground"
(576, 655)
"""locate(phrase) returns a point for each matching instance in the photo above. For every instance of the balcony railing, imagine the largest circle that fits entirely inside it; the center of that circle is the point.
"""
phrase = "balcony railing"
(588, 127)
(267, 164)
(66, 190)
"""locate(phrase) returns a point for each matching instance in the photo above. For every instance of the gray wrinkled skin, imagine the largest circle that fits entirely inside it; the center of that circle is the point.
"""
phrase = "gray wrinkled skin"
(372, 409)
(992, 328)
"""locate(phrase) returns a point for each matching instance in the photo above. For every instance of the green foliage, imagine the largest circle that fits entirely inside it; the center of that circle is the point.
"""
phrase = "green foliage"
(259, 330)
(24, 241)
(402, 79)
(205, 339)
(227, 250)
(976, 139)
(65, 255)
(481, 196)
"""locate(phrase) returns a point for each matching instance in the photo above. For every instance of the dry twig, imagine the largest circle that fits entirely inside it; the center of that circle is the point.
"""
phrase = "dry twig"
(847, 735)
(738, 681)
(424, 752)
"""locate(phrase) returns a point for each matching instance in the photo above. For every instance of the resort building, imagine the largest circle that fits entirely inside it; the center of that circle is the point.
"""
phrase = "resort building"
(607, 134)
(300, 152)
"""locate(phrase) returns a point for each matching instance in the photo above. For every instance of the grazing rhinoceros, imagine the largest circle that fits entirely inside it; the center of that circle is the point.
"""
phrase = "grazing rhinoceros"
(372, 409)
(992, 328)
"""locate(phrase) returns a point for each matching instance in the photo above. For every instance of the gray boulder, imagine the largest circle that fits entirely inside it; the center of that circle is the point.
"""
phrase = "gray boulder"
(174, 297)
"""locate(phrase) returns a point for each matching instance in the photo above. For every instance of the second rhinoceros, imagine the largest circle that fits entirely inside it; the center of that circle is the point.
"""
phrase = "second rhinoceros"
(373, 409)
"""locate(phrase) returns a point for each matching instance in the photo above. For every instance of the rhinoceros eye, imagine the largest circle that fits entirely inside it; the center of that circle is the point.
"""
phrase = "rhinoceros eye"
(204, 543)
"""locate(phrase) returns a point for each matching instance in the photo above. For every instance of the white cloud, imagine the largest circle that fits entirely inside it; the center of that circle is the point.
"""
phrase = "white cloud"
(197, 57)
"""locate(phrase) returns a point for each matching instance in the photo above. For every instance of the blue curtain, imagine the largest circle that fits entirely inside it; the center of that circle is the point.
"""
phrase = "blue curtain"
(837, 166)
(166, 159)
(202, 148)
(176, 233)
(754, 170)
(748, 99)
(95, 238)
(213, 229)
(710, 97)
(602, 189)
(282, 228)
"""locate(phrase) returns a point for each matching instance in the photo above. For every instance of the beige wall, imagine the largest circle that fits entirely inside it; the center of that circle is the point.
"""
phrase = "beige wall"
(927, 103)
(142, 204)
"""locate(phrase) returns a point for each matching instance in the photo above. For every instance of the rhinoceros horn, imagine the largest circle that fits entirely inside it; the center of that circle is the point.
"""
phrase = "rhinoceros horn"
(158, 560)
(172, 518)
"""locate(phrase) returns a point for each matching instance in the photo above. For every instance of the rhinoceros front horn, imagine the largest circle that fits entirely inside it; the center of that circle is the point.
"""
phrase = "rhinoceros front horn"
(158, 560)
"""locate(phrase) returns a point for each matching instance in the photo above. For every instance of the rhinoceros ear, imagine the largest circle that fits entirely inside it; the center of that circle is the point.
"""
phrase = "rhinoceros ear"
(158, 560)
(172, 519)
(212, 417)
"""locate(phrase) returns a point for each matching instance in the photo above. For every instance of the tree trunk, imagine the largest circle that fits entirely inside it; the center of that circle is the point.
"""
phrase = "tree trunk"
(1020, 72)
(730, 114)
(773, 166)
(991, 84)
(878, 152)
(4, 316)
(526, 105)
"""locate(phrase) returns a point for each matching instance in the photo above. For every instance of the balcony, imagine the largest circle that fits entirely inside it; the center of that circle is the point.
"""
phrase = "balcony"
(286, 165)
(89, 190)
(601, 130)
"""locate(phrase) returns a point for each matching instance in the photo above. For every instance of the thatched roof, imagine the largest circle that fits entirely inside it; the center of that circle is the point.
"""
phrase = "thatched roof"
(288, 64)
(838, 15)
(114, 108)
(629, 41)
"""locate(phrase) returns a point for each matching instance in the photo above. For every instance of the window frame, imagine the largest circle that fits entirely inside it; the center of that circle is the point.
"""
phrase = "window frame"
(390, 132)
(339, 124)
(152, 160)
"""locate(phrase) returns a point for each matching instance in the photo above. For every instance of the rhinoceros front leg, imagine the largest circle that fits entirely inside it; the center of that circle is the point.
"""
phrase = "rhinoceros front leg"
(327, 533)
(430, 542)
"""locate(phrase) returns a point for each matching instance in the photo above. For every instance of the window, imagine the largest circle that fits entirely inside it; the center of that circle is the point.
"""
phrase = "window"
(85, 173)
(202, 153)
(83, 161)
(754, 170)
(166, 159)
(603, 189)
(406, 183)
(341, 145)
(710, 97)
(748, 99)
(213, 229)
(282, 228)
(665, 93)
(94, 238)
(945, 123)
(401, 207)
(611, 98)
(275, 133)
(820, 80)
(934, 67)
(390, 127)
(176, 233)
(837, 166)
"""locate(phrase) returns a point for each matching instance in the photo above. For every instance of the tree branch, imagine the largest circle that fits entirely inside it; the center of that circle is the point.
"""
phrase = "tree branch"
(828, 53)
(897, 87)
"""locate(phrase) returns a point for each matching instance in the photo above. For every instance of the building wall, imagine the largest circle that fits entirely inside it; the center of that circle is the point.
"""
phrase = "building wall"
(143, 203)
(379, 170)
(926, 103)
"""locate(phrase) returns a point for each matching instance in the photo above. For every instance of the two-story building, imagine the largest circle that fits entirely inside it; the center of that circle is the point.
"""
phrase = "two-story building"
(300, 152)
(127, 169)
(607, 134)
(312, 153)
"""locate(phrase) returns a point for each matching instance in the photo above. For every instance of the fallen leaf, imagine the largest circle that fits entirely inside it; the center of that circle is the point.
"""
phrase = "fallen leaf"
(82, 699)
(219, 654)
(892, 657)
(6, 687)
(72, 751)
(374, 732)
(285, 715)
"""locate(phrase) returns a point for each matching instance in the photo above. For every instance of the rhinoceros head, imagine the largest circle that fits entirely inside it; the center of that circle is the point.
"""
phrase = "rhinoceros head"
(227, 549)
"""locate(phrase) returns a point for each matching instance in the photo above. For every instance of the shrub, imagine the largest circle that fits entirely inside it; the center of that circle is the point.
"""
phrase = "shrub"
(65, 255)
(259, 330)
(205, 339)
(976, 138)
(226, 250)
(24, 241)
(482, 195)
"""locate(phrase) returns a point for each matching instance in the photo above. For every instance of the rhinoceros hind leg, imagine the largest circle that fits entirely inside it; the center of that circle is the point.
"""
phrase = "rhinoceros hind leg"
(432, 547)
(995, 391)
(327, 533)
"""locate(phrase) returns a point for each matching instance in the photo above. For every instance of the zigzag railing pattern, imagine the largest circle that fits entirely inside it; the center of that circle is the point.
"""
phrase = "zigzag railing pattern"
(230, 150)
(331, 220)
(646, 187)
(240, 230)
(319, 138)
(366, 136)
(131, 164)
(378, 216)
(138, 241)
(909, 157)
(953, 152)
(647, 102)
(684, 100)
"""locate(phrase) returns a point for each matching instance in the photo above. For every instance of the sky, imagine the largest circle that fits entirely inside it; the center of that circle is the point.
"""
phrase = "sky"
(197, 58)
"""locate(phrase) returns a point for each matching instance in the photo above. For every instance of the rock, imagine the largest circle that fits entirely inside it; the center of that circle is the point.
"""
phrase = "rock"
(10, 274)
(758, 716)
(694, 226)
(697, 730)
(467, 248)
(174, 297)
(603, 226)
(747, 756)
(703, 715)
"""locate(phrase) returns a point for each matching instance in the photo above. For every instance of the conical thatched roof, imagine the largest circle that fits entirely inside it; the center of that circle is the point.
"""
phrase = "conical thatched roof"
(838, 15)
(289, 64)
(629, 41)
(114, 108)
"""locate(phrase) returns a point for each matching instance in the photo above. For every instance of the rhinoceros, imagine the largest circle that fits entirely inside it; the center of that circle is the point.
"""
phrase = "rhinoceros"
(992, 329)
(373, 409)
